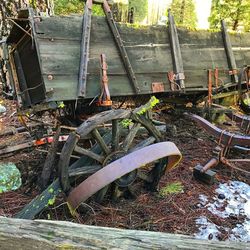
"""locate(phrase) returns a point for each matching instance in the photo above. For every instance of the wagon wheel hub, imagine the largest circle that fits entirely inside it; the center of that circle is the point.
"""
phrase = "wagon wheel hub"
(125, 180)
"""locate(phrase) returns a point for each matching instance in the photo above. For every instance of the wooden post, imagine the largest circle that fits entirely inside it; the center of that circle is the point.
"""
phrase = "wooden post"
(229, 52)
(119, 43)
(84, 56)
(41, 234)
(176, 51)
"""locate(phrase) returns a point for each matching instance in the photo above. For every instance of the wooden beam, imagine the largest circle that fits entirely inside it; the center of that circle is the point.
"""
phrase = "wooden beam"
(41, 234)
(176, 51)
(84, 58)
(229, 52)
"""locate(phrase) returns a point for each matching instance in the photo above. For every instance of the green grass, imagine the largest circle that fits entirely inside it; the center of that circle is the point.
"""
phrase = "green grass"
(172, 188)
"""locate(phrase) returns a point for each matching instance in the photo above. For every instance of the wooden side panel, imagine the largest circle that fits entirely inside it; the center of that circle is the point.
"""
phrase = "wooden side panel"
(148, 49)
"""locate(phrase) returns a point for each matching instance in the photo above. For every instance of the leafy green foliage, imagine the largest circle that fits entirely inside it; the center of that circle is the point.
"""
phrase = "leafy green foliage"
(148, 106)
(184, 13)
(125, 123)
(65, 7)
(140, 9)
(172, 188)
(236, 13)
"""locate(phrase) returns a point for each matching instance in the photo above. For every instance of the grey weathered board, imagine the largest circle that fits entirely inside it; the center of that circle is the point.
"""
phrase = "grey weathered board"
(148, 49)
(40, 234)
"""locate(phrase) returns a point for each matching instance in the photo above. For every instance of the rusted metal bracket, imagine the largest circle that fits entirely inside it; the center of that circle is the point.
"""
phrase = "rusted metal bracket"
(210, 88)
(104, 98)
(229, 52)
(157, 87)
(174, 86)
(176, 52)
(84, 56)
(121, 167)
(121, 47)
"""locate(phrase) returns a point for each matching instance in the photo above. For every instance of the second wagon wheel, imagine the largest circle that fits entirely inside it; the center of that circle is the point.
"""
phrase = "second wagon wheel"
(123, 142)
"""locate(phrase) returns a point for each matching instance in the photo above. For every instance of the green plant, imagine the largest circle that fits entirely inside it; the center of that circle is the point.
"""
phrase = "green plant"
(125, 123)
(148, 106)
(172, 188)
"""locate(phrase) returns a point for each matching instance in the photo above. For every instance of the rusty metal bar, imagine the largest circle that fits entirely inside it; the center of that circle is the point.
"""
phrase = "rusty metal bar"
(210, 87)
(104, 98)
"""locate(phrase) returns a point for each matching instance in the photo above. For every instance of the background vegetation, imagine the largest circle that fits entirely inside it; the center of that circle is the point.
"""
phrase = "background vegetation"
(236, 13)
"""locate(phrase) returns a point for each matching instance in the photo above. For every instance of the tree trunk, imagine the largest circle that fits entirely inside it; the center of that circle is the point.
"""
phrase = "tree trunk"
(9, 8)
(28, 234)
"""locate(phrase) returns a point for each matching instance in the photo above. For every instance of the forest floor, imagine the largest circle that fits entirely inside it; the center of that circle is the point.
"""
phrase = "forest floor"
(175, 212)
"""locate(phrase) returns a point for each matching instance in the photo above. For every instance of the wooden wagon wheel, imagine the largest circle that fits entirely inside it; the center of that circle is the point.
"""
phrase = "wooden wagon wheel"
(123, 142)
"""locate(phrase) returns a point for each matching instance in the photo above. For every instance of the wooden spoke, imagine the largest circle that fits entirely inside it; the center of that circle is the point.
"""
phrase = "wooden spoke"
(148, 125)
(130, 137)
(143, 144)
(145, 177)
(115, 135)
(157, 172)
(95, 133)
(89, 153)
(84, 170)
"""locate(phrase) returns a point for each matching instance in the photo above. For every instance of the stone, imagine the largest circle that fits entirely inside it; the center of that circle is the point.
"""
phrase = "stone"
(10, 177)
(2, 109)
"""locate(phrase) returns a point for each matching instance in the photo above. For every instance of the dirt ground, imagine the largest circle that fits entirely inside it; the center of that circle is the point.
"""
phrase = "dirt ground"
(173, 213)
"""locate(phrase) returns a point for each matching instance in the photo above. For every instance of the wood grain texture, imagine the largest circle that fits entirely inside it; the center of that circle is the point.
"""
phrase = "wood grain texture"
(38, 234)
(148, 49)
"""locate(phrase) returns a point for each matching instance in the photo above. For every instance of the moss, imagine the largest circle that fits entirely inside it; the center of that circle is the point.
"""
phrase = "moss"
(51, 190)
(66, 246)
(71, 209)
(52, 201)
(172, 188)
(125, 123)
(148, 106)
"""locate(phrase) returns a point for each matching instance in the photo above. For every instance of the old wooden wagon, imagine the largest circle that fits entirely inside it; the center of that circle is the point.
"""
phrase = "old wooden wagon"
(46, 52)
(82, 61)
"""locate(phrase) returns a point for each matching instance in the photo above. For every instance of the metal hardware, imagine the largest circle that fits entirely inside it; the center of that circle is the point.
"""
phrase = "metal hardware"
(157, 87)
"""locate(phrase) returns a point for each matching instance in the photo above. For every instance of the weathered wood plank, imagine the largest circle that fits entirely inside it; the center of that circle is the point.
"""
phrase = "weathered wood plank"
(148, 49)
(229, 52)
(41, 234)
